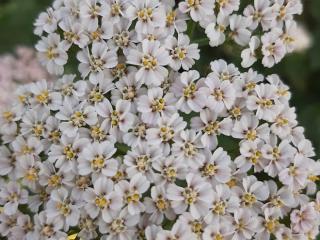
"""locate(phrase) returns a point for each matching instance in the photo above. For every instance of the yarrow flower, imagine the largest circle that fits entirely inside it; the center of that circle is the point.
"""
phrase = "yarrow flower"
(139, 144)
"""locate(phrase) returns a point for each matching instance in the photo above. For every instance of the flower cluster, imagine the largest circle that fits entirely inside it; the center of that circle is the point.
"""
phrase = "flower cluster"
(140, 146)
(20, 68)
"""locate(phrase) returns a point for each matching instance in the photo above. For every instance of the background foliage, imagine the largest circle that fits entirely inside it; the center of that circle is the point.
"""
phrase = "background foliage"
(299, 70)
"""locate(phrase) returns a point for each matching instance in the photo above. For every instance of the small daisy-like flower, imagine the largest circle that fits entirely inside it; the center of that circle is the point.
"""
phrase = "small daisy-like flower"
(158, 205)
(96, 159)
(197, 9)
(102, 199)
(52, 53)
(151, 57)
(182, 53)
(196, 196)
(62, 206)
(187, 90)
(132, 193)
(11, 196)
(155, 104)
(94, 63)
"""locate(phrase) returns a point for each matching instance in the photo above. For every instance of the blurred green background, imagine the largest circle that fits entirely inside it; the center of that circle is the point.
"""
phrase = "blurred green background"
(299, 70)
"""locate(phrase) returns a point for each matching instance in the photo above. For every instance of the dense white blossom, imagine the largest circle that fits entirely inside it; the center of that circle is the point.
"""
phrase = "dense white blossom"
(138, 144)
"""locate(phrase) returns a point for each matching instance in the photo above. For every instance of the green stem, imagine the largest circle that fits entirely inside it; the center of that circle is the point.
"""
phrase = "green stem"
(202, 42)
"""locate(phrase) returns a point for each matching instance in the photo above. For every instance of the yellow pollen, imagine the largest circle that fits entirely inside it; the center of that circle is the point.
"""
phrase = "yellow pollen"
(188, 92)
(161, 204)
(98, 162)
(149, 62)
(69, 152)
(43, 97)
(54, 180)
(31, 175)
(158, 105)
(133, 198)
(171, 16)
(7, 115)
(251, 135)
(101, 202)
(190, 196)
(248, 199)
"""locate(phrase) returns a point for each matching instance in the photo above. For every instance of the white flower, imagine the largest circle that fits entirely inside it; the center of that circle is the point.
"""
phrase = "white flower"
(65, 154)
(11, 196)
(261, 13)
(62, 206)
(264, 102)
(248, 128)
(197, 9)
(187, 90)
(118, 119)
(303, 219)
(197, 196)
(211, 127)
(158, 205)
(273, 48)
(74, 116)
(90, 10)
(121, 226)
(94, 63)
(216, 167)
(182, 53)
(139, 160)
(46, 228)
(223, 203)
(220, 94)
(251, 155)
(239, 32)
(216, 30)
(229, 6)
(96, 159)
(151, 57)
(52, 53)
(74, 33)
(248, 55)
(279, 156)
(102, 199)
(188, 148)
(46, 22)
(179, 231)
(217, 230)
(245, 224)
(149, 14)
(170, 169)
(132, 193)
(155, 104)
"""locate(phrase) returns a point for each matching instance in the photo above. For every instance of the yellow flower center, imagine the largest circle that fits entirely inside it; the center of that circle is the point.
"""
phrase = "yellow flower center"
(190, 196)
(171, 17)
(38, 130)
(64, 208)
(211, 128)
(31, 174)
(96, 95)
(149, 62)
(248, 199)
(101, 202)
(158, 105)
(145, 14)
(43, 97)
(98, 162)
(78, 119)
(161, 204)
(133, 198)
(251, 134)
(7, 115)
(188, 92)
(54, 180)
(219, 208)
(69, 152)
